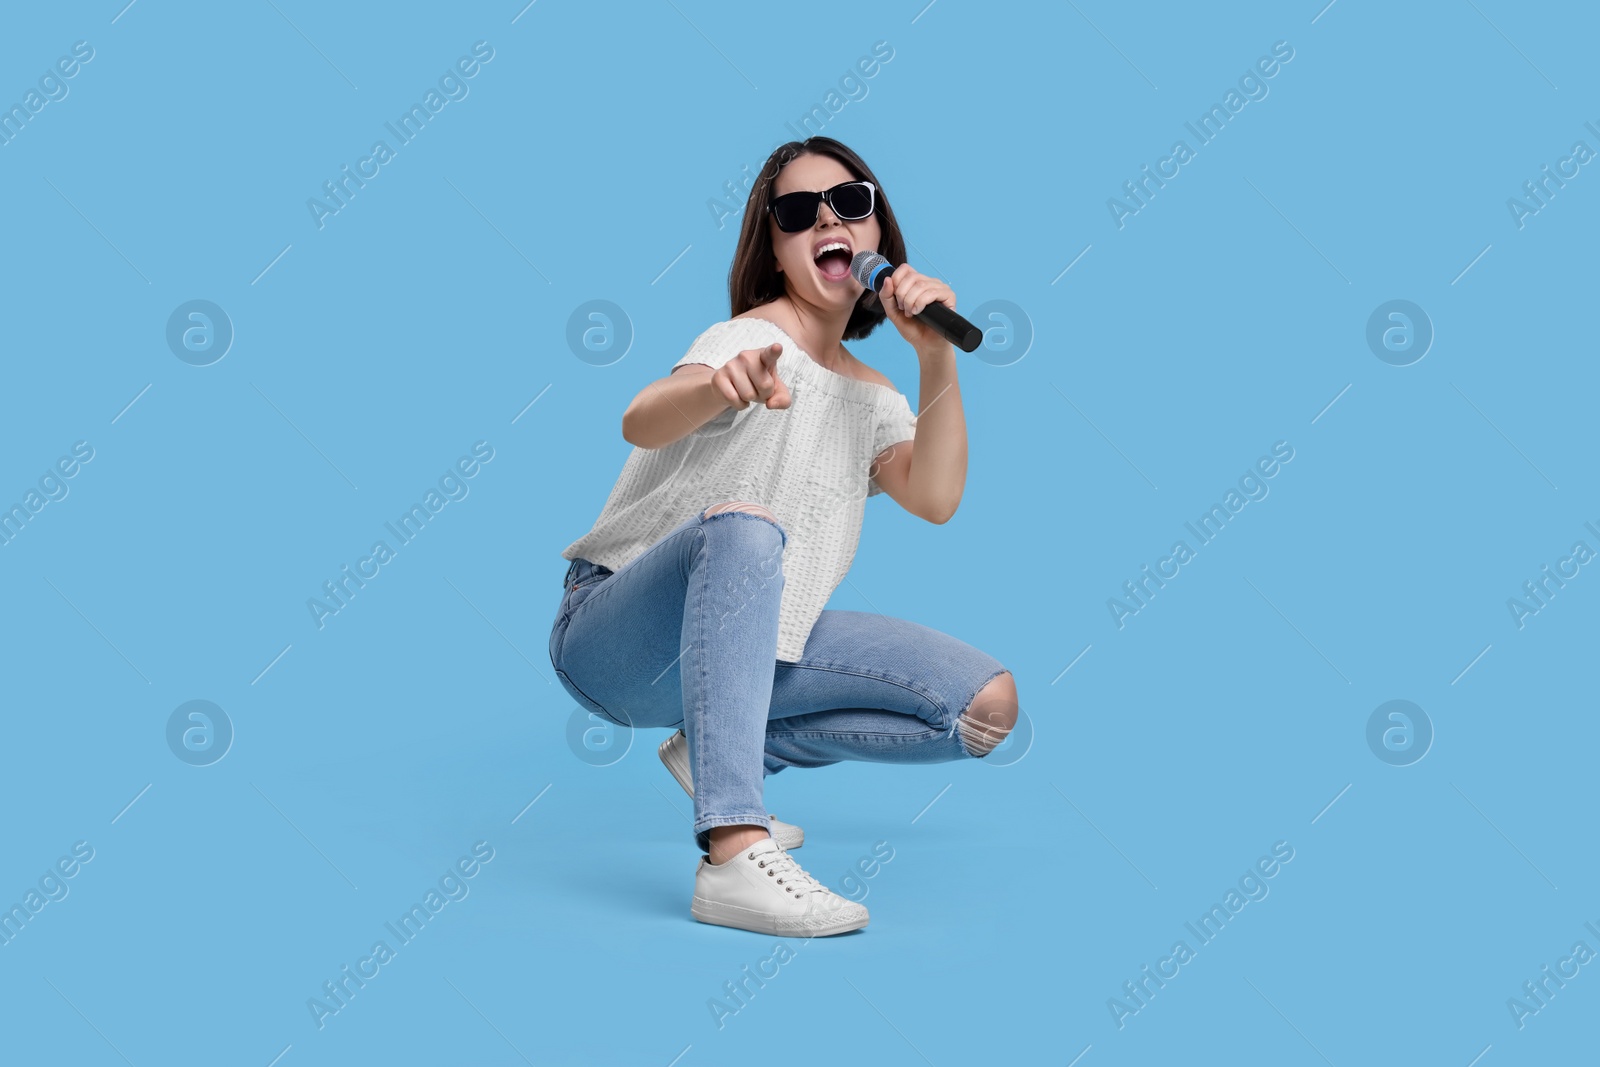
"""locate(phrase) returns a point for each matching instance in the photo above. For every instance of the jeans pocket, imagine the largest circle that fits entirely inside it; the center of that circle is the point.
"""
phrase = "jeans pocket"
(581, 591)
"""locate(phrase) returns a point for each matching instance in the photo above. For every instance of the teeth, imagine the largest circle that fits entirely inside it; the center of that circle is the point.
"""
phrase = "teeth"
(829, 247)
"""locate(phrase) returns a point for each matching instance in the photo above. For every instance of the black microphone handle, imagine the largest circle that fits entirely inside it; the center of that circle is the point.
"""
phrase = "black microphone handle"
(957, 330)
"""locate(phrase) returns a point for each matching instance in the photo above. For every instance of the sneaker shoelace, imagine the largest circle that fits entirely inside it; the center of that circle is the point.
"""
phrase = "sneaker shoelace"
(782, 868)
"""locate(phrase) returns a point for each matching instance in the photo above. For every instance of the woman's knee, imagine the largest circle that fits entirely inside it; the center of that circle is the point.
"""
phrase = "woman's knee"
(748, 508)
(739, 505)
(988, 720)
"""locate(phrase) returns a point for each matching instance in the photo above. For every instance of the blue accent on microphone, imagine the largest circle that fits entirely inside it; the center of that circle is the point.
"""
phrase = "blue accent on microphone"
(872, 279)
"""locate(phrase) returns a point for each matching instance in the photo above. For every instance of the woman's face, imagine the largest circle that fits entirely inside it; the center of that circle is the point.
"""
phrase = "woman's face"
(825, 283)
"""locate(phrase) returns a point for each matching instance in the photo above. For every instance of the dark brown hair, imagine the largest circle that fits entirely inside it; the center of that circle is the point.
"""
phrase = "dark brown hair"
(753, 280)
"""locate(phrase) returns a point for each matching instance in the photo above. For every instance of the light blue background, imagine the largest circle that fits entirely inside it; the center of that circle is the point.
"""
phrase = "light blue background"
(1228, 314)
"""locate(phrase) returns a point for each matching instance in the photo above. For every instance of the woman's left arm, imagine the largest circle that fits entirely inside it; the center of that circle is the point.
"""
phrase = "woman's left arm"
(927, 475)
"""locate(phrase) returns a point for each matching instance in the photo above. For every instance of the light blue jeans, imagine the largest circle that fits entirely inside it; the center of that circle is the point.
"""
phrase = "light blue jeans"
(685, 636)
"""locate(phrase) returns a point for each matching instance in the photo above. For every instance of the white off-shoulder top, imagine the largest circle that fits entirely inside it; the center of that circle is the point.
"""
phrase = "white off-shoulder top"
(808, 464)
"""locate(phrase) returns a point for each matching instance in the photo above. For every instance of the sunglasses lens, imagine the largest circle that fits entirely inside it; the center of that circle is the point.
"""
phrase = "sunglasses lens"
(852, 201)
(795, 211)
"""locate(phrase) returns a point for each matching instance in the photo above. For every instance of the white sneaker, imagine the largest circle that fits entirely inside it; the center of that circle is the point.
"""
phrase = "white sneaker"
(763, 889)
(674, 752)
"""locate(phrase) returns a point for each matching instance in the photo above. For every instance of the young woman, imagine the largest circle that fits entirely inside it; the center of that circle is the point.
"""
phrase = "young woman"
(696, 601)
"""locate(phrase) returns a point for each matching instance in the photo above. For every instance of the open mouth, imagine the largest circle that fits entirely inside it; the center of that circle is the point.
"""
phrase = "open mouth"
(833, 261)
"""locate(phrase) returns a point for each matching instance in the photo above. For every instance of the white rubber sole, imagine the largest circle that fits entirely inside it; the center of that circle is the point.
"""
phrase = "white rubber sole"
(821, 924)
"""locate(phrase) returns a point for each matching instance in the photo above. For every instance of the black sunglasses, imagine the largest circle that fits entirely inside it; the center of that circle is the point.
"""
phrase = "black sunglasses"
(850, 201)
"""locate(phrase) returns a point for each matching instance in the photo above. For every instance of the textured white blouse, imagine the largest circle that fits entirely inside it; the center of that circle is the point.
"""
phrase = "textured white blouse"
(809, 464)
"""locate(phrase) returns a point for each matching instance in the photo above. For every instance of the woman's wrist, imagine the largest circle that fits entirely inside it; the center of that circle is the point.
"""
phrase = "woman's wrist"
(719, 401)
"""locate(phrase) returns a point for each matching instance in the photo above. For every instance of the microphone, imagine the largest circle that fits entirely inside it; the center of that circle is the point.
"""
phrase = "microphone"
(870, 269)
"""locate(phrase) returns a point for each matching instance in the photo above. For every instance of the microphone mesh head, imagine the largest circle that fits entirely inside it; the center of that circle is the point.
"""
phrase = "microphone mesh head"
(862, 266)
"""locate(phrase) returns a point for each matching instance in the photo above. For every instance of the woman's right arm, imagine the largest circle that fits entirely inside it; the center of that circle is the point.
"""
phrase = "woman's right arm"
(671, 408)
